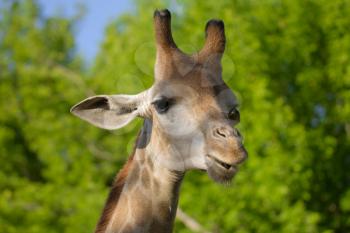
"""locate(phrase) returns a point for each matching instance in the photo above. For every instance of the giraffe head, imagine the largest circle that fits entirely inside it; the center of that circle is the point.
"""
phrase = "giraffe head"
(192, 112)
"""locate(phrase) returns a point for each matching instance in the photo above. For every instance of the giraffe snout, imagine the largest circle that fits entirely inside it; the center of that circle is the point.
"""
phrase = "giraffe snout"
(226, 144)
(227, 133)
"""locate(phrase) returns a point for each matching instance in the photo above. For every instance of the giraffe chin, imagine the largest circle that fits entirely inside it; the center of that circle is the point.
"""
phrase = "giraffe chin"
(220, 171)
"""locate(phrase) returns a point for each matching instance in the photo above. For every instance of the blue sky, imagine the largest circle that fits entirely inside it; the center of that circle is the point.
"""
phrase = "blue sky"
(90, 31)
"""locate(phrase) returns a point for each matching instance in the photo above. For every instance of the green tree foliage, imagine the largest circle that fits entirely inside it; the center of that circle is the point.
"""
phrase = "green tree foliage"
(288, 61)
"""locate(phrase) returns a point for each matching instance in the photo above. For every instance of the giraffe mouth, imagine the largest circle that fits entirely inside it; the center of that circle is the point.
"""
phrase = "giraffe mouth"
(220, 171)
(223, 165)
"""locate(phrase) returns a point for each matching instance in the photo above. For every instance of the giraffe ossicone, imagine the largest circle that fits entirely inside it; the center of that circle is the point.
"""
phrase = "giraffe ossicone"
(189, 123)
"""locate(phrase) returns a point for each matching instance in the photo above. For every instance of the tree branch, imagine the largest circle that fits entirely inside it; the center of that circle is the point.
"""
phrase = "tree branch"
(189, 222)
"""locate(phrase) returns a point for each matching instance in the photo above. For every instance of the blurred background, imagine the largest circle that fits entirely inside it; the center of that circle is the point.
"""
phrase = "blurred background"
(287, 60)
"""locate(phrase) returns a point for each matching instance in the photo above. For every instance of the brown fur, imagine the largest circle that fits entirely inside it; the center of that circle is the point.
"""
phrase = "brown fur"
(113, 197)
(114, 194)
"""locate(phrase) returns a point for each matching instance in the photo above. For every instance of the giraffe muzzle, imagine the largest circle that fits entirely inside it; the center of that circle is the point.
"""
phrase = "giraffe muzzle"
(225, 152)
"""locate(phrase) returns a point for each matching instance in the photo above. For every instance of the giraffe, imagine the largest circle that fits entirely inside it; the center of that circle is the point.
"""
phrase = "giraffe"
(189, 123)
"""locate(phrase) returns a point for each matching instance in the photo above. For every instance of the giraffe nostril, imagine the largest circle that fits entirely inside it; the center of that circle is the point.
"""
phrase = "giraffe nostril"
(218, 132)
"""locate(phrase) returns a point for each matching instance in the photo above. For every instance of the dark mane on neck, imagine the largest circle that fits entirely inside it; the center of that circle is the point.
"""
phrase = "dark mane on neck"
(118, 184)
(113, 196)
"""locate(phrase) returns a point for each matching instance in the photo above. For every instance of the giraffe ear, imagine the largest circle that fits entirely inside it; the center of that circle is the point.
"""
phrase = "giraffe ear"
(108, 111)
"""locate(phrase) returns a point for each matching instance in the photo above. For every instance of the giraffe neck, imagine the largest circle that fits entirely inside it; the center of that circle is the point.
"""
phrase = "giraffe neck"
(144, 197)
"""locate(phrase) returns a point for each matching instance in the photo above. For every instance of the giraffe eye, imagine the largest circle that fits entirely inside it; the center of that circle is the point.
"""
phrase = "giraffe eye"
(162, 105)
(234, 114)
